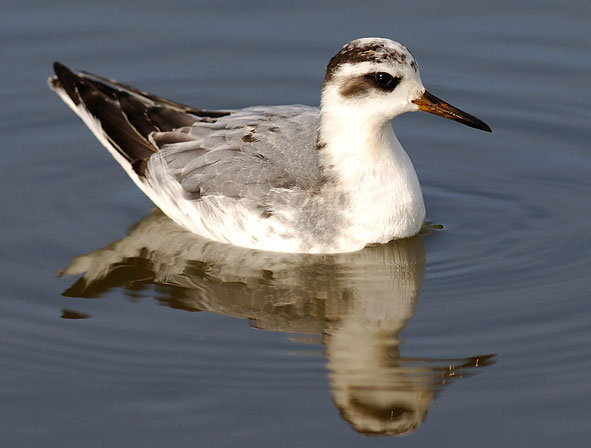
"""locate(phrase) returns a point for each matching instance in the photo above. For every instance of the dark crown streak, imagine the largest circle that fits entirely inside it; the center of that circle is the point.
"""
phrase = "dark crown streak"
(374, 52)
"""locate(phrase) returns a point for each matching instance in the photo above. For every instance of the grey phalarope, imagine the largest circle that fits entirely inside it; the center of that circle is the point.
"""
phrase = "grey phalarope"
(278, 178)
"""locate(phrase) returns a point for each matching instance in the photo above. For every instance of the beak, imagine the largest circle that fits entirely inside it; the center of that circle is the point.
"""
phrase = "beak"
(433, 105)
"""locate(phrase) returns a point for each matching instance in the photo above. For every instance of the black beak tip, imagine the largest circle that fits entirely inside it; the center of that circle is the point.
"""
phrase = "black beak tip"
(483, 127)
(473, 122)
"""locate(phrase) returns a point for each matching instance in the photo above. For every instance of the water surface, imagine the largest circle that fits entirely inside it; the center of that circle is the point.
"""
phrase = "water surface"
(475, 333)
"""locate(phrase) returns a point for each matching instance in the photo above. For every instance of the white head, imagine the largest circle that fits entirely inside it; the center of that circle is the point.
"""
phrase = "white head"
(373, 80)
(377, 77)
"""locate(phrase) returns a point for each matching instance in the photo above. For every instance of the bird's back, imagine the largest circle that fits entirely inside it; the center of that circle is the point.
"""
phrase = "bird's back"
(227, 175)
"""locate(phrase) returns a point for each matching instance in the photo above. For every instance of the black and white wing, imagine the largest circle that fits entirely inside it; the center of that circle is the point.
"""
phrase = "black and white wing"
(238, 154)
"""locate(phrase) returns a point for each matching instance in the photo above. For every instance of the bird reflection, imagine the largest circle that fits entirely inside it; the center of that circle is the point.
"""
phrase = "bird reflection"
(358, 303)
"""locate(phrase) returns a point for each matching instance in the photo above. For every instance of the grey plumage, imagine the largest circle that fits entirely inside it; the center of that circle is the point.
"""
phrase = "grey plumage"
(278, 178)
(236, 154)
(240, 156)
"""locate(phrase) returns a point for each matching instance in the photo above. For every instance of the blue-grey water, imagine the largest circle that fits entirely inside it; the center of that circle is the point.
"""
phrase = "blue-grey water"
(476, 334)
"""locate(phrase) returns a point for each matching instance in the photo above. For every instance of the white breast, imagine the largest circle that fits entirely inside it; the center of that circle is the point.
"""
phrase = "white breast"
(386, 198)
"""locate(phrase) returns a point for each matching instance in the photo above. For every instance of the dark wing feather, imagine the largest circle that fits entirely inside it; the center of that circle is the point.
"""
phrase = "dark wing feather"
(154, 98)
(128, 141)
(167, 119)
(242, 155)
(127, 116)
(135, 112)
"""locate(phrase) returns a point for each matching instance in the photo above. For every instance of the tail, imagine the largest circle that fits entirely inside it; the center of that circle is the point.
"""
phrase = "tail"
(123, 117)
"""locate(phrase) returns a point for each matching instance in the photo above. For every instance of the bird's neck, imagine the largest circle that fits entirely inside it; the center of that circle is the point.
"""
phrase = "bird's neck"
(365, 162)
(351, 145)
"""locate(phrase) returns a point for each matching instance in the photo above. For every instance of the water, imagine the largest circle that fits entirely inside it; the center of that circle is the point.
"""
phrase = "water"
(476, 333)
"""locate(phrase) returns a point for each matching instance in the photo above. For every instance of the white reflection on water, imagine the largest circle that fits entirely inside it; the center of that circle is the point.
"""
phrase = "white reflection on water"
(358, 302)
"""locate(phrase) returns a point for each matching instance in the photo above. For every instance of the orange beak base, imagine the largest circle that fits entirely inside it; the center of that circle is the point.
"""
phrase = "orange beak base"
(430, 103)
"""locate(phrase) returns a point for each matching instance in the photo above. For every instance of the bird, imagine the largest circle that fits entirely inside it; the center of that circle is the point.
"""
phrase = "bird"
(295, 179)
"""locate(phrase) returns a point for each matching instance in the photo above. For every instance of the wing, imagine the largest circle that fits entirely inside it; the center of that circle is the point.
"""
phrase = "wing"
(245, 154)
(121, 116)
(237, 154)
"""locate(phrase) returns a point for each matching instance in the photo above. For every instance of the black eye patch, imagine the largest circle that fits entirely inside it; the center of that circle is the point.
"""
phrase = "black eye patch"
(383, 81)
(362, 85)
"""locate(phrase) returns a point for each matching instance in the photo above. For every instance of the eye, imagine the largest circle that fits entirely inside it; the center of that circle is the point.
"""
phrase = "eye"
(384, 81)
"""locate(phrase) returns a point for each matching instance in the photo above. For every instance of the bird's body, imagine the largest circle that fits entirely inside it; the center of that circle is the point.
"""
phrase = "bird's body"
(280, 178)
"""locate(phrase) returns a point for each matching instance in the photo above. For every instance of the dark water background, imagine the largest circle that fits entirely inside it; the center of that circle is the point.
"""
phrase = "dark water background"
(300, 351)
